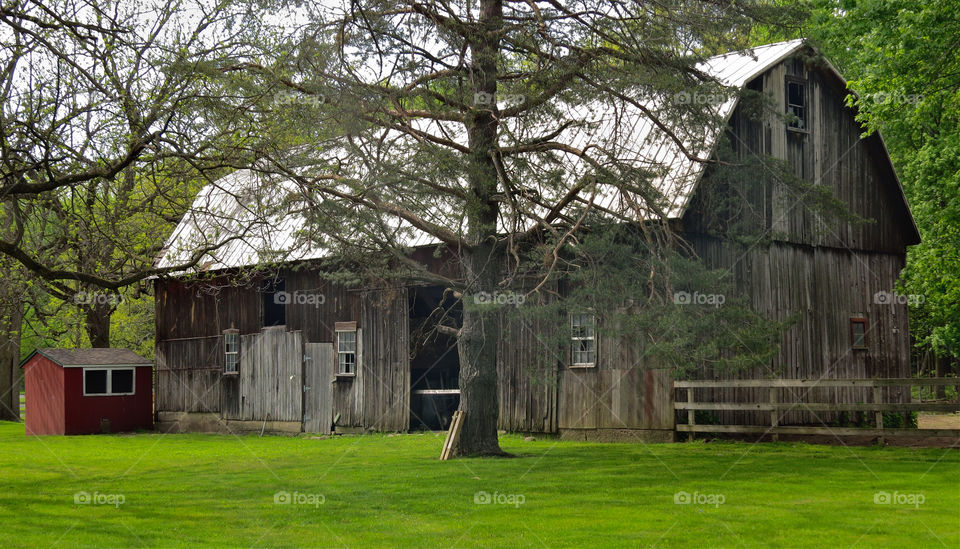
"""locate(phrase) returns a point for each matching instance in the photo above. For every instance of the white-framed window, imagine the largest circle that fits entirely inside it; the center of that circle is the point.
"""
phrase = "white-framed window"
(109, 381)
(346, 348)
(231, 351)
(583, 340)
(797, 105)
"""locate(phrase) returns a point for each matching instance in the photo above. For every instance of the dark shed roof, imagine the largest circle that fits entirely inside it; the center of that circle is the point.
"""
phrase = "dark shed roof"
(91, 357)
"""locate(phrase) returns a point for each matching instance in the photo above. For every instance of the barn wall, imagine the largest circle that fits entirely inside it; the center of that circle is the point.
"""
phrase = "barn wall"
(44, 391)
(190, 359)
(318, 305)
(188, 374)
(191, 309)
(824, 287)
(527, 369)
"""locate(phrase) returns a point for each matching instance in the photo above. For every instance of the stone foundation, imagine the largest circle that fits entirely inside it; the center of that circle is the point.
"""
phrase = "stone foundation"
(201, 422)
(617, 435)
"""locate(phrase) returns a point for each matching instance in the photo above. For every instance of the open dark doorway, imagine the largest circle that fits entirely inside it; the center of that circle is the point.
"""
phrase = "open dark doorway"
(434, 362)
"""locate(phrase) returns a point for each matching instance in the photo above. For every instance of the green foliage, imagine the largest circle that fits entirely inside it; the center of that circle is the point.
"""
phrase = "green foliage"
(902, 60)
(61, 324)
(705, 417)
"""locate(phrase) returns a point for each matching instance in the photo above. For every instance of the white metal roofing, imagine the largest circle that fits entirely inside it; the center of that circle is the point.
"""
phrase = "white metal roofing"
(224, 213)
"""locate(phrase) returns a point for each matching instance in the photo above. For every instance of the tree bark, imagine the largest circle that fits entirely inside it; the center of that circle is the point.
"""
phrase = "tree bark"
(477, 343)
(477, 347)
(11, 314)
(97, 321)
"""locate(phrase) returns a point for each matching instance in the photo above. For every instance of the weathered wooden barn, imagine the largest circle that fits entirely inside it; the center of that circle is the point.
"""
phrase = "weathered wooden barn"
(292, 352)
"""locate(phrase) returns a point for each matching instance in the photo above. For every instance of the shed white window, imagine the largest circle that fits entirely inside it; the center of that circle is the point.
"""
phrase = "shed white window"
(346, 348)
(108, 381)
(583, 340)
(231, 351)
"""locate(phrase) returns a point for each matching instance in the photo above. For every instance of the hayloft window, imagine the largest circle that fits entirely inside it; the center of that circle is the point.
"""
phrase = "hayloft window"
(231, 351)
(106, 382)
(583, 341)
(858, 333)
(797, 105)
(346, 348)
(275, 299)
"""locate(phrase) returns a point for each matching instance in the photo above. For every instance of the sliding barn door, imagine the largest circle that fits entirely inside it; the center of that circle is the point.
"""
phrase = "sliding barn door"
(318, 374)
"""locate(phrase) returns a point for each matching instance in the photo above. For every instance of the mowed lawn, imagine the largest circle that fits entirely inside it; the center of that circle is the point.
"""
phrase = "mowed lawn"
(150, 490)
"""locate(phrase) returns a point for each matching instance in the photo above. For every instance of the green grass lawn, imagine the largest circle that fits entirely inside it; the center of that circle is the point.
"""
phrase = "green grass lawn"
(153, 490)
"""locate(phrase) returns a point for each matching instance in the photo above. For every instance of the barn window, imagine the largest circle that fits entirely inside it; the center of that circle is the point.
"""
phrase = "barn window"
(275, 299)
(109, 381)
(797, 105)
(231, 351)
(583, 341)
(858, 333)
(346, 348)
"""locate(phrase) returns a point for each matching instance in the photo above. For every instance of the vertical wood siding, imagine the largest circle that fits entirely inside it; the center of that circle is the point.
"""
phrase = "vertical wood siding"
(270, 378)
(527, 363)
(386, 360)
(318, 369)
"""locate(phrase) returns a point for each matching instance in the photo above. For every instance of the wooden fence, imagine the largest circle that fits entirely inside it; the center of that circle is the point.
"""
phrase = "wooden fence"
(777, 407)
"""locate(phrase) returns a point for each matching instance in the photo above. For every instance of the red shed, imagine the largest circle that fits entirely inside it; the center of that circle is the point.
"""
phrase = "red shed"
(80, 391)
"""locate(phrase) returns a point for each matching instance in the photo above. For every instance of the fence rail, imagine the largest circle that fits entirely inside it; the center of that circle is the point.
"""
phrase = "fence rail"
(775, 407)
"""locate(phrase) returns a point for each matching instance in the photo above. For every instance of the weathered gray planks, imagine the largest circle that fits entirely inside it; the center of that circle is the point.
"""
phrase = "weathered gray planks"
(270, 376)
(385, 360)
(318, 372)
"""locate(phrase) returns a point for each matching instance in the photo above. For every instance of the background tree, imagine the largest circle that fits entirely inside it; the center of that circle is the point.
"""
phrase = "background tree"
(113, 115)
(901, 59)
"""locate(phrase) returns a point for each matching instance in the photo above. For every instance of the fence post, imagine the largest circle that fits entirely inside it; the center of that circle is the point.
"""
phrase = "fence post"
(691, 416)
(774, 414)
(877, 399)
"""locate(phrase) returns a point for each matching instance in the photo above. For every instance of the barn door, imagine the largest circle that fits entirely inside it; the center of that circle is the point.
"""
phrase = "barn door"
(317, 387)
(270, 387)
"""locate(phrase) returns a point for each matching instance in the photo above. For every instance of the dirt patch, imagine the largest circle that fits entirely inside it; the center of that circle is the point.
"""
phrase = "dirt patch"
(927, 420)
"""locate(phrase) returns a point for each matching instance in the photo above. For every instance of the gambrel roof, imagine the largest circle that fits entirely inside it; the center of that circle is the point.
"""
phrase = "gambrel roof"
(220, 213)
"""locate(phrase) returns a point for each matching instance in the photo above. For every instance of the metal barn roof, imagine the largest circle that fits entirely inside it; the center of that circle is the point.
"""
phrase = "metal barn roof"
(225, 214)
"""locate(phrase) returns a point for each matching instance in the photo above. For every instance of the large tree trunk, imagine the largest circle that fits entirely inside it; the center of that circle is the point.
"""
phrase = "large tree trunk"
(97, 321)
(477, 343)
(11, 313)
(477, 347)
